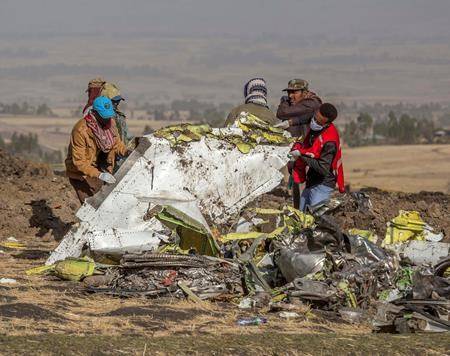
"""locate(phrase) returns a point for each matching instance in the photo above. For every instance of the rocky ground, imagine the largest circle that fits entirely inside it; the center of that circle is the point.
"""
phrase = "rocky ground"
(41, 314)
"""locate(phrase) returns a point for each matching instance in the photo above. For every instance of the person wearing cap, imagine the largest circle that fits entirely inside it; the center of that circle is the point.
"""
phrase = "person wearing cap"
(94, 144)
(297, 107)
(112, 91)
(296, 110)
(255, 96)
(320, 152)
(93, 90)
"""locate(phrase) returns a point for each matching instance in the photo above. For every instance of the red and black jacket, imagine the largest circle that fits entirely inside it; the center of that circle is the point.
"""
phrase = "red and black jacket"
(321, 153)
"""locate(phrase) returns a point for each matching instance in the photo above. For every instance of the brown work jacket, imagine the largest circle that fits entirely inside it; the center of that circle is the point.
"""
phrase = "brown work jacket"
(83, 154)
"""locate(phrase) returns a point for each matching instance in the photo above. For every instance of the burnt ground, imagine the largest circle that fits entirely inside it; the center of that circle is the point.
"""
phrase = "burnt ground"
(43, 315)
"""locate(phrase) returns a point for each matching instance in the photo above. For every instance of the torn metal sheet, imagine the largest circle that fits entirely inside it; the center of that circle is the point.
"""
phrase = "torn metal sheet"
(420, 252)
(311, 290)
(208, 180)
(294, 264)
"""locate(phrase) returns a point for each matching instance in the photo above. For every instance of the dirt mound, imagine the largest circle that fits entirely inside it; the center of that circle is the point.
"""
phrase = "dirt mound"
(433, 207)
(12, 167)
(33, 201)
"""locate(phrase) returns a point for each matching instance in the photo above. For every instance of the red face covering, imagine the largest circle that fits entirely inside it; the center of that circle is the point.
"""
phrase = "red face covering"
(105, 124)
(104, 136)
(93, 93)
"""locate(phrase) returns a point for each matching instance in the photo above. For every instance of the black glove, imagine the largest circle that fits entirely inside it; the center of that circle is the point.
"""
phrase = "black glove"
(284, 99)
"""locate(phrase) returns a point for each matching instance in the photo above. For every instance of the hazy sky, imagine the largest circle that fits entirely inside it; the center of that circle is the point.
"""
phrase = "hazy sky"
(373, 49)
(373, 18)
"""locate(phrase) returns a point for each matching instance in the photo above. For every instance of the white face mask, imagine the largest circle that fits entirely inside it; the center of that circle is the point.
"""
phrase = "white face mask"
(314, 125)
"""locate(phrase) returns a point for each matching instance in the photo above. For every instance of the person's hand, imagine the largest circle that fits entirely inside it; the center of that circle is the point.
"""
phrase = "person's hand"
(107, 178)
(284, 99)
(294, 155)
(283, 125)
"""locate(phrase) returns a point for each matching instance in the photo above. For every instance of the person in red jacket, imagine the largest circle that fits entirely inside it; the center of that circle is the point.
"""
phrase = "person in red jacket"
(318, 159)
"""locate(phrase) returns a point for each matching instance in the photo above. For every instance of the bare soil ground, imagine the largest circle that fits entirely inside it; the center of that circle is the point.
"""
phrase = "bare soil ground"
(43, 315)
(434, 208)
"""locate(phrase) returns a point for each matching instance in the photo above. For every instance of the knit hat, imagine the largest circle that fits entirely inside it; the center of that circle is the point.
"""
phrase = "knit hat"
(255, 91)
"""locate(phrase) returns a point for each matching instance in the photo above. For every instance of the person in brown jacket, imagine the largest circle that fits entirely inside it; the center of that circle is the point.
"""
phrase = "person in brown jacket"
(296, 111)
(297, 108)
(93, 147)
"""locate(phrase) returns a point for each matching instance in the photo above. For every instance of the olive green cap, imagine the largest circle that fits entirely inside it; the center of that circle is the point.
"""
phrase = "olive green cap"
(297, 84)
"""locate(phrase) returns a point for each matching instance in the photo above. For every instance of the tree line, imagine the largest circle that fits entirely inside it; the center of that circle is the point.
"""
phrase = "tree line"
(188, 110)
(393, 129)
(27, 145)
(25, 108)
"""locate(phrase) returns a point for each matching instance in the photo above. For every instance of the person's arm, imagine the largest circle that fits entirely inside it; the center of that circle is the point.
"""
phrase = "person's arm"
(322, 165)
(287, 111)
(304, 119)
(79, 158)
(120, 148)
(124, 127)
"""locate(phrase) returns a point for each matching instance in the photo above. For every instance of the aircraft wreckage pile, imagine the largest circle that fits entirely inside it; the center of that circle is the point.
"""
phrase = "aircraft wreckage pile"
(180, 222)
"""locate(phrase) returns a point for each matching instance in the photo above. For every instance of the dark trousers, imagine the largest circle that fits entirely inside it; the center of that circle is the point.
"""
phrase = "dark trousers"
(296, 195)
(86, 188)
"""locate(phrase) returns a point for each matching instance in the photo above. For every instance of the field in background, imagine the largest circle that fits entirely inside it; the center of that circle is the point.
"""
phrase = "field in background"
(54, 132)
(153, 69)
(401, 168)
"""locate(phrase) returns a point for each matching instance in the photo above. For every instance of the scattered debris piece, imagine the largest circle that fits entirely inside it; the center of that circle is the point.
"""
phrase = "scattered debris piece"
(408, 225)
(258, 320)
(289, 315)
(13, 245)
(7, 281)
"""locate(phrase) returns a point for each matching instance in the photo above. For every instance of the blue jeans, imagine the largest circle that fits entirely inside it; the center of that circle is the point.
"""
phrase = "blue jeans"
(315, 195)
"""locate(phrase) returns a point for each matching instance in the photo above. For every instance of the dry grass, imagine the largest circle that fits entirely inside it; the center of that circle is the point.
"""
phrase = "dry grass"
(48, 305)
(400, 168)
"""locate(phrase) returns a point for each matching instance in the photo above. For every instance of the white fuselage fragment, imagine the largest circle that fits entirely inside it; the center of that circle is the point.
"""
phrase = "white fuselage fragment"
(208, 179)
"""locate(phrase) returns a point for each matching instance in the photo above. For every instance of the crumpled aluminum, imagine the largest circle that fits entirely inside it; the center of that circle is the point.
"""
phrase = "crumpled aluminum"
(294, 264)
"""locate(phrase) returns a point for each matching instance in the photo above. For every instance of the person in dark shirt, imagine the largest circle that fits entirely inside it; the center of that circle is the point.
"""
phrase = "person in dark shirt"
(321, 154)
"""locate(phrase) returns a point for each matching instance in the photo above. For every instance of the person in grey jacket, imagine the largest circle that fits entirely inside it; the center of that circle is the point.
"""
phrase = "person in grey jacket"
(297, 108)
